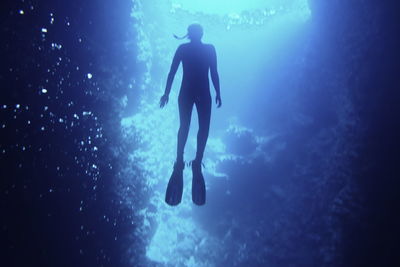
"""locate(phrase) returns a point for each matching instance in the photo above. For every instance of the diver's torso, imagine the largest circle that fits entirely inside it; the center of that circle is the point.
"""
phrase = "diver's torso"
(196, 60)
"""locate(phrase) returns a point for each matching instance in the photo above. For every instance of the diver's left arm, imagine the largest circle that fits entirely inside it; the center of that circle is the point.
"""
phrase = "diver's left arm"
(215, 76)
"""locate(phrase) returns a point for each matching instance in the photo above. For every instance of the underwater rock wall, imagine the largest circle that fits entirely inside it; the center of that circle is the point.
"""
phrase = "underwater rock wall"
(366, 34)
(65, 66)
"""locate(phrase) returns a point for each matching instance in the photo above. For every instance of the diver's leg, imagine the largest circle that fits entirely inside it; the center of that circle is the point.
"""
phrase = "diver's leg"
(173, 195)
(185, 114)
(203, 106)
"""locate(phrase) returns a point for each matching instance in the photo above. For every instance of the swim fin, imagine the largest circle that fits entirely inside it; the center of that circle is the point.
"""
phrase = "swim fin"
(198, 184)
(173, 195)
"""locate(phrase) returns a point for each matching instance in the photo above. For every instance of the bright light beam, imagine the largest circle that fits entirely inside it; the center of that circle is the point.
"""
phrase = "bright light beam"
(232, 25)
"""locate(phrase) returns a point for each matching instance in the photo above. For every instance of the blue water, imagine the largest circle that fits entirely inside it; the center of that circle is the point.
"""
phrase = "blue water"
(260, 49)
(301, 164)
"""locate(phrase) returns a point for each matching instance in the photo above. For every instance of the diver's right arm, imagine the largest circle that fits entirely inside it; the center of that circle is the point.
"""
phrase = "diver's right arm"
(171, 75)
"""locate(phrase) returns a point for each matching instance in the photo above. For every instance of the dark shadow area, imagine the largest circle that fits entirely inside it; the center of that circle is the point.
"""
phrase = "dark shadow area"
(58, 170)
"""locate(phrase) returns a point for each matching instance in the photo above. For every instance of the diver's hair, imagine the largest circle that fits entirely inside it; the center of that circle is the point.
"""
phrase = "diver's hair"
(180, 38)
(193, 29)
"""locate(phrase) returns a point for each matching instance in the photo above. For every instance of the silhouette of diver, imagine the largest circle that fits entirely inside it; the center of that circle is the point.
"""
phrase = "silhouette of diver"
(197, 60)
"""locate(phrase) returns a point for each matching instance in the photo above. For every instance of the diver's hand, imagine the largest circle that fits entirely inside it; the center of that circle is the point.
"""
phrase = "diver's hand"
(163, 100)
(218, 101)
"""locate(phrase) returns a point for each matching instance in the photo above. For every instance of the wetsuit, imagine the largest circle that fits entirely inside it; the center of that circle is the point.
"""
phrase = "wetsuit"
(197, 60)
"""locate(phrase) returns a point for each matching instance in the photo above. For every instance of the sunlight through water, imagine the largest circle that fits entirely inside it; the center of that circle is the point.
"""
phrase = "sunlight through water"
(234, 27)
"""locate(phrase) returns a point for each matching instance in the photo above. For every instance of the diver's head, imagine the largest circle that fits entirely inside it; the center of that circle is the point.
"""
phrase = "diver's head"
(195, 32)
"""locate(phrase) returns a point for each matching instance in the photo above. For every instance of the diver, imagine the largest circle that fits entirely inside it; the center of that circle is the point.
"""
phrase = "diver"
(198, 59)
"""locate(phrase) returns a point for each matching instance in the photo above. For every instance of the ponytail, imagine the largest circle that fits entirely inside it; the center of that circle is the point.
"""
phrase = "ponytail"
(180, 38)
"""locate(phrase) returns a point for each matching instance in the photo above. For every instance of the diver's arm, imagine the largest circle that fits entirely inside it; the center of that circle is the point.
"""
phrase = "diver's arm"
(215, 76)
(170, 79)
(172, 71)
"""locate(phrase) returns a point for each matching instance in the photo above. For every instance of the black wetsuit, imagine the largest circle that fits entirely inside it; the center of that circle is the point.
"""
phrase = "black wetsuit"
(197, 60)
